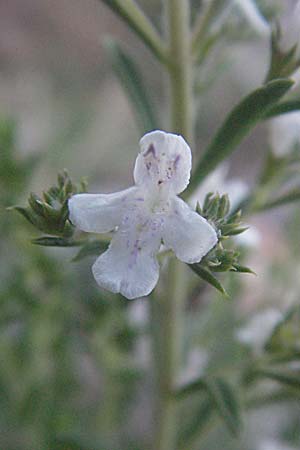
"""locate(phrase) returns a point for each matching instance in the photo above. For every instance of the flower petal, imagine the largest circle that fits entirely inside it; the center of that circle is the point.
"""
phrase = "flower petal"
(99, 213)
(188, 234)
(164, 162)
(130, 266)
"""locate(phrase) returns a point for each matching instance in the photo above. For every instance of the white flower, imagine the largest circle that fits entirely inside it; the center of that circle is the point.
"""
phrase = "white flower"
(144, 216)
(259, 329)
(284, 133)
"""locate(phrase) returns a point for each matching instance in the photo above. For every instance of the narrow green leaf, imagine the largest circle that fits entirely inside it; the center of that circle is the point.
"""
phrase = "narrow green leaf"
(283, 62)
(227, 403)
(212, 209)
(288, 377)
(207, 276)
(36, 204)
(49, 241)
(242, 269)
(236, 231)
(235, 216)
(237, 125)
(190, 434)
(285, 337)
(25, 212)
(132, 83)
(131, 13)
(91, 248)
(283, 108)
(282, 395)
(232, 229)
(289, 197)
(209, 13)
(191, 388)
(224, 206)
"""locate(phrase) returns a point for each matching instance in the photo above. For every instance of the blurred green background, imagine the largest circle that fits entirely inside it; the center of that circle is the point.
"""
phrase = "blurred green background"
(75, 369)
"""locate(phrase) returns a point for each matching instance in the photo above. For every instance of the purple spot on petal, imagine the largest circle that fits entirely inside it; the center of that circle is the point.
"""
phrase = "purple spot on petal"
(151, 150)
(176, 161)
(137, 247)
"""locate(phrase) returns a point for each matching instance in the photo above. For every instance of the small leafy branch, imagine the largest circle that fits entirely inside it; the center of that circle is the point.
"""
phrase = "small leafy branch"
(283, 62)
(50, 213)
(216, 209)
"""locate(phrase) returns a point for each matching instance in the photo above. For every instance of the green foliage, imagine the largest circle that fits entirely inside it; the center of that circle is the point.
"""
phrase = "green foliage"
(278, 174)
(207, 276)
(222, 397)
(130, 12)
(283, 108)
(72, 364)
(239, 122)
(287, 377)
(50, 214)
(15, 173)
(90, 248)
(285, 339)
(216, 209)
(131, 80)
(49, 241)
(289, 197)
(283, 62)
(226, 401)
(204, 39)
(190, 433)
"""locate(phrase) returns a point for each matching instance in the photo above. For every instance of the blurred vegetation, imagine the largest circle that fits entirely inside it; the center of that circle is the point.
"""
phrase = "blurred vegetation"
(76, 370)
(71, 370)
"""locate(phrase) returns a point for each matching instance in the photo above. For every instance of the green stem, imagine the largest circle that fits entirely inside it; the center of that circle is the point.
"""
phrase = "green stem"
(168, 309)
(180, 67)
(167, 315)
(131, 13)
(203, 23)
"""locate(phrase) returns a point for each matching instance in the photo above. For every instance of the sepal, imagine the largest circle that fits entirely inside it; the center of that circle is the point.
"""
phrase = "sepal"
(216, 209)
(50, 213)
(91, 248)
(208, 276)
(283, 62)
(52, 241)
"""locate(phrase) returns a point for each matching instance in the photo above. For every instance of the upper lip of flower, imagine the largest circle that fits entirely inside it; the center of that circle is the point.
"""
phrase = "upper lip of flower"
(145, 215)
